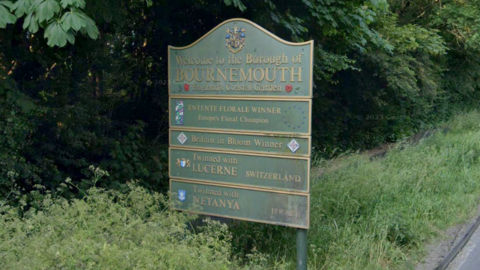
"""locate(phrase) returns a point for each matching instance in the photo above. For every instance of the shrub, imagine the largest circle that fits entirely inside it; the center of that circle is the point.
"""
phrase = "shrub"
(110, 230)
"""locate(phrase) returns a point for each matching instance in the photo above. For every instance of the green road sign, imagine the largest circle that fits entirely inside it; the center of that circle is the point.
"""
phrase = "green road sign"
(276, 173)
(246, 204)
(283, 145)
(240, 124)
(266, 116)
(239, 58)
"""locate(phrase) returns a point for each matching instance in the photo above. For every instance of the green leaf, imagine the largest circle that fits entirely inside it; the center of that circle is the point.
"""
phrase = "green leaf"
(27, 21)
(5, 16)
(90, 29)
(73, 20)
(35, 4)
(47, 9)
(239, 5)
(31, 23)
(57, 36)
(70, 37)
(228, 2)
(73, 3)
(21, 7)
(7, 4)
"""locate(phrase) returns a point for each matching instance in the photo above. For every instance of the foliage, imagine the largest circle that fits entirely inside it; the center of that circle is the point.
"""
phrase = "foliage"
(84, 83)
(382, 71)
(378, 214)
(5, 16)
(459, 21)
(459, 26)
(110, 230)
(61, 19)
(348, 22)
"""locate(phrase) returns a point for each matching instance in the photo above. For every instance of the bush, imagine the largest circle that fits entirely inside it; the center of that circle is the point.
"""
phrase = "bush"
(378, 214)
(110, 230)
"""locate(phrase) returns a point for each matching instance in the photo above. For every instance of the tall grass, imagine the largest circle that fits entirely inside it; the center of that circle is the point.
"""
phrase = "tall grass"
(110, 230)
(379, 214)
(364, 215)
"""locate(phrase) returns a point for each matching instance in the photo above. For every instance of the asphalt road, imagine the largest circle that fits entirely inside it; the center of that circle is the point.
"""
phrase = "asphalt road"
(469, 257)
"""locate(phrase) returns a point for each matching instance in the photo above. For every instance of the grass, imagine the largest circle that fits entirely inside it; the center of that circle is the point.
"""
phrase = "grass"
(109, 230)
(379, 214)
(364, 215)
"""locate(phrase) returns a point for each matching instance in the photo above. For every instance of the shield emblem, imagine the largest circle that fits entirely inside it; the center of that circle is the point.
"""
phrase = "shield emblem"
(182, 195)
(235, 39)
(183, 162)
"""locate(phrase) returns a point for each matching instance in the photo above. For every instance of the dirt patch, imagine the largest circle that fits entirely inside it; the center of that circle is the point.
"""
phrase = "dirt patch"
(439, 249)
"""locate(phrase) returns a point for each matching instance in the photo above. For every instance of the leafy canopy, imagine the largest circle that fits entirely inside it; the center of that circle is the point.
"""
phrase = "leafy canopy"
(62, 20)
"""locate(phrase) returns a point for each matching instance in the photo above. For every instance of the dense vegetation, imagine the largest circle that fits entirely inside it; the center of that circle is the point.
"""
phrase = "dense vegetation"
(380, 213)
(110, 230)
(84, 83)
(365, 215)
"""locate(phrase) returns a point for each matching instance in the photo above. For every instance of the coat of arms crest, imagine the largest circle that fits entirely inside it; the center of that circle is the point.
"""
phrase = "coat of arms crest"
(183, 162)
(235, 39)
(182, 195)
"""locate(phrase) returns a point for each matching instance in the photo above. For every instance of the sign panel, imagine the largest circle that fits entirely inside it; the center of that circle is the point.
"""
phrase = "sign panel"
(240, 58)
(242, 203)
(267, 116)
(240, 124)
(279, 144)
(276, 173)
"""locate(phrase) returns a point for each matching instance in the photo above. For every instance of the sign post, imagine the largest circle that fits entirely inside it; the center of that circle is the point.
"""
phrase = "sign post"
(301, 249)
(240, 127)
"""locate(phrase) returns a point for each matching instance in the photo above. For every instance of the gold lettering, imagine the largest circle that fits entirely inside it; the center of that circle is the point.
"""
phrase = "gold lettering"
(262, 72)
(214, 169)
(192, 75)
(179, 75)
(210, 77)
(299, 74)
(249, 58)
(273, 176)
(243, 76)
(223, 75)
(180, 60)
(236, 206)
(274, 75)
(220, 203)
(233, 141)
(283, 73)
(233, 75)
(196, 75)
(284, 59)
